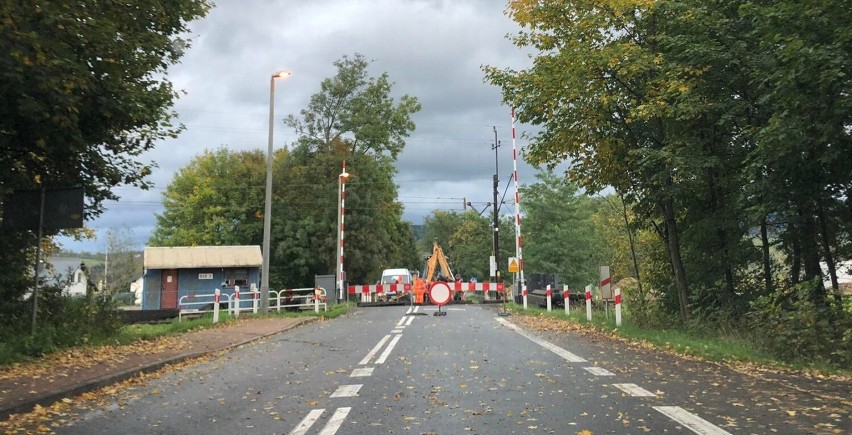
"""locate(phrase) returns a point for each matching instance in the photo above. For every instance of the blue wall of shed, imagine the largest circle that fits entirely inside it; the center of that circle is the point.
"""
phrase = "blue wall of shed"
(188, 283)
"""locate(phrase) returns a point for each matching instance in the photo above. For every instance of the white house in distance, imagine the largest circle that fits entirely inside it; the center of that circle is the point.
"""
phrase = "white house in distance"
(844, 276)
(64, 267)
(136, 289)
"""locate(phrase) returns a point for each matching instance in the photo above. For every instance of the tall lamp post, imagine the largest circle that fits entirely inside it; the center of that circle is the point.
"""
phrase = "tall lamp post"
(341, 215)
(267, 210)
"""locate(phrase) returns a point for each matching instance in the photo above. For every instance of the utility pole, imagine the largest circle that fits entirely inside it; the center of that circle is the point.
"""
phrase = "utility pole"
(496, 244)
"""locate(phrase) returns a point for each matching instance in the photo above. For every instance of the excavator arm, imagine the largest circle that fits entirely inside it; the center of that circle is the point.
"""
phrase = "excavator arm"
(438, 259)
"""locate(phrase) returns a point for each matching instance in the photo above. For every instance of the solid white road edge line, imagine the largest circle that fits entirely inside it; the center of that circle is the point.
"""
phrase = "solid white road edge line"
(384, 356)
(375, 350)
(691, 421)
(306, 423)
(347, 390)
(336, 420)
(362, 372)
(567, 356)
(634, 390)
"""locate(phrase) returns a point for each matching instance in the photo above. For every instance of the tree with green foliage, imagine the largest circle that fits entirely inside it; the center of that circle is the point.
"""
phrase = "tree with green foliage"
(713, 120)
(559, 233)
(356, 112)
(123, 262)
(352, 118)
(85, 92)
(467, 240)
(82, 104)
(215, 200)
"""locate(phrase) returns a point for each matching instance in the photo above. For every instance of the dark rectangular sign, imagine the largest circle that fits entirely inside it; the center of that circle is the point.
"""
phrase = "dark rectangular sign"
(63, 208)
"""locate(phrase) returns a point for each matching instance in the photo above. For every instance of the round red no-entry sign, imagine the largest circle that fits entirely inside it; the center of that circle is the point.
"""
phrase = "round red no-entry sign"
(440, 293)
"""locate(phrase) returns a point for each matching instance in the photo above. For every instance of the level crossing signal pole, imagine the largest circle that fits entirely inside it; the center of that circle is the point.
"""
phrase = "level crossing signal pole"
(496, 244)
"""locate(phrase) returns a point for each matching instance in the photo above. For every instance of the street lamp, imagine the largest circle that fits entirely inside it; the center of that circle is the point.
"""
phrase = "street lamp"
(267, 211)
(341, 214)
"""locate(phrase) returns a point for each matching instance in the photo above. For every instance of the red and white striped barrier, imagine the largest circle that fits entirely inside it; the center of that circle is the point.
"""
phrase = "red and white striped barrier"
(519, 244)
(454, 286)
(524, 292)
(368, 290)
(475, 286)
(566, 295)
(589, 303)
(379, 288)
(617, 307)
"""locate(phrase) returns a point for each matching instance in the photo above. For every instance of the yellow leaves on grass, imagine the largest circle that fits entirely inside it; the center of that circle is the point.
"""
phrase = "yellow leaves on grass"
(65, 363)
(551, 324)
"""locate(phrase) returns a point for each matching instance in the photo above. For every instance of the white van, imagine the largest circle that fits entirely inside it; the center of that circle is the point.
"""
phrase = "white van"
(396, 276)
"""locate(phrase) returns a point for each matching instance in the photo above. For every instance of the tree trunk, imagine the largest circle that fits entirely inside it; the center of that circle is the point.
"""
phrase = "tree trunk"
(726, 261)
(632, 249)
(829, 258)
(719, 207)
(673, 245)
(767, 261)
(796, 266)
(810, 254)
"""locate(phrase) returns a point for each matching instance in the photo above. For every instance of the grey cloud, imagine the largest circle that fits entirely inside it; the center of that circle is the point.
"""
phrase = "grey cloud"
(431, 49)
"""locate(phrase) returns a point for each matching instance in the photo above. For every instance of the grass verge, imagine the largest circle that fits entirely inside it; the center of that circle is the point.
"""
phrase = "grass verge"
(129, 334)
(682, 342)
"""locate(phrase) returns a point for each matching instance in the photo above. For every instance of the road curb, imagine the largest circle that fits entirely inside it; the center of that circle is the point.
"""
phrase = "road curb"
(114, 378)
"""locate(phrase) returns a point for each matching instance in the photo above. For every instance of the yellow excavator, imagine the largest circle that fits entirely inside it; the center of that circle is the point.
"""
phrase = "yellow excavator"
(438, 259)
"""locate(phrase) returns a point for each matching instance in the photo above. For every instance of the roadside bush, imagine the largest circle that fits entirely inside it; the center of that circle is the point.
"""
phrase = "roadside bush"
(63, 321)
(125, 298)
(791, 325)
(710, 317)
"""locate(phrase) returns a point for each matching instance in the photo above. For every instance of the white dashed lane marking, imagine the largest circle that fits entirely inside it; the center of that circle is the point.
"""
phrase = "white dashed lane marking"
(347, 390)
(599, 371)
(384, 356)
(306, 423)
(567, 356)
(634, 390)
(676, 413)
(408, 322)
(375, 350)
(362, 372)
(336, 420)
(691, 421)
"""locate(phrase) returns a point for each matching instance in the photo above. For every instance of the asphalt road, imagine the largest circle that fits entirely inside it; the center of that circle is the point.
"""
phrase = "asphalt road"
(391, 370)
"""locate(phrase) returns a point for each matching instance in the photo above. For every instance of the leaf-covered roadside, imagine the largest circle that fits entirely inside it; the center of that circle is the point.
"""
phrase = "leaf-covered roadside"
(696, 347)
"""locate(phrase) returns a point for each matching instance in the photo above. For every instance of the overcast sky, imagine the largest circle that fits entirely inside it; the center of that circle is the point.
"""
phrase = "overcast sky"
(431, 49)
